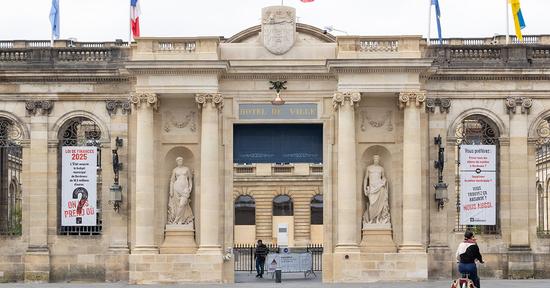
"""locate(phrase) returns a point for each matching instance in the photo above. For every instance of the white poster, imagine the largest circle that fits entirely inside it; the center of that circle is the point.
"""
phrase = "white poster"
(79, 186)
(478, 185)
(288, 263)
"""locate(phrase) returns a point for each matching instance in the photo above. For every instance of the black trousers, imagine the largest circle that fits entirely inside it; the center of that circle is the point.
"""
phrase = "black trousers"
(260, 261)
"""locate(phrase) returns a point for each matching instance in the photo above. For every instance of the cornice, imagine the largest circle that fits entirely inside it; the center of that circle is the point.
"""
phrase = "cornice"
(488, 77)
(379, 65)
(280, 76)
(156, 67)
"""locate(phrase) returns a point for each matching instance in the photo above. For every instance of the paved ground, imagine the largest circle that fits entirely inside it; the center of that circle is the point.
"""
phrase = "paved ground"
(301, 283)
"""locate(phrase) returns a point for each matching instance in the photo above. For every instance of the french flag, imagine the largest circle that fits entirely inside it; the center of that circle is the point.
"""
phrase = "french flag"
(135, 11)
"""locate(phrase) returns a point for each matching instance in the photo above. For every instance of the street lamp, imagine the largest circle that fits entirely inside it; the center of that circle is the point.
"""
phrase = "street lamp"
(277, 86)
(116, 189)
(441, 187)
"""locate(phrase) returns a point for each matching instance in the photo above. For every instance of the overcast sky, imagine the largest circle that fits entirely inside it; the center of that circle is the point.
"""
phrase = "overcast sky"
(106, 20)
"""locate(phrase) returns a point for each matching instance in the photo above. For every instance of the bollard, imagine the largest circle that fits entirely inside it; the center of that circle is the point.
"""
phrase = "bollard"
(278, 276)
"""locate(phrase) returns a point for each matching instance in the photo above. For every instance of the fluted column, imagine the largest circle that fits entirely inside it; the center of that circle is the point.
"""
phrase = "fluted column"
(210, 192)
(344, 104)
(412, 103)
(144, 105)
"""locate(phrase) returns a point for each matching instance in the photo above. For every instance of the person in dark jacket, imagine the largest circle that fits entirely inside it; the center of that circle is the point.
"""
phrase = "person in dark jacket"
(466, 254)
(260, 254)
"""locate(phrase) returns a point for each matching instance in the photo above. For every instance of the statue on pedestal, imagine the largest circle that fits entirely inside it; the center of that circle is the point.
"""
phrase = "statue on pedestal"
(375, 187)
(179, 208)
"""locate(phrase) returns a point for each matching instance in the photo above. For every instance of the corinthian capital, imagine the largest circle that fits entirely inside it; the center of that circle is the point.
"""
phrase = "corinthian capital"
(143, 98)
(340, 99)
(416, 97)
(214, 99)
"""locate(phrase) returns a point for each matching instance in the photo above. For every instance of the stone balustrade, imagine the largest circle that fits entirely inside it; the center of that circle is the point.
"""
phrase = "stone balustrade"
(200, 48)
(497, 40)
(268, 169)
(378, 47)
(56, 55)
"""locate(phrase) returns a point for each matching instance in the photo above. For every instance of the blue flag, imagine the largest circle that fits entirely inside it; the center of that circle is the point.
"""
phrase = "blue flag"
(438, 18)
(54, 19)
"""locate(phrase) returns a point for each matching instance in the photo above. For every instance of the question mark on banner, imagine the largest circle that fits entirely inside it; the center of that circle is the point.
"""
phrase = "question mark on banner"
(81, 203)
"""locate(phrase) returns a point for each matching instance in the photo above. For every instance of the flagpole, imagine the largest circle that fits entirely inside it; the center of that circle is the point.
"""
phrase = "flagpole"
(130, 26)
(429, 21)
(507, 22)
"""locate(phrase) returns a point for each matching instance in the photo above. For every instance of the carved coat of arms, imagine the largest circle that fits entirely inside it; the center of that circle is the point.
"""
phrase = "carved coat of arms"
(278, 28)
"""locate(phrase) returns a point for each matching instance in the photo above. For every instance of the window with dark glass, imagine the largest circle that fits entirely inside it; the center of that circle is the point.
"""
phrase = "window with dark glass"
(283, 206)
(11, 161)
(317, 210)
(245, 210)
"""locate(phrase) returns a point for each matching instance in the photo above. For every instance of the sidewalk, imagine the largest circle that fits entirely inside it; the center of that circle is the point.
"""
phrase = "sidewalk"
(301, 283)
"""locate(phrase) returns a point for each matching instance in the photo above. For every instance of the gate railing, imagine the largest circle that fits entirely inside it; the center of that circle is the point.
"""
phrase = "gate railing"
(244, 256)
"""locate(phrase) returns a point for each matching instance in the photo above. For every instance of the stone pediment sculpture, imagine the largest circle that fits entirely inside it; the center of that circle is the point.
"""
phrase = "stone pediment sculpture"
(181, 185)
(375, 187)
(278, 28)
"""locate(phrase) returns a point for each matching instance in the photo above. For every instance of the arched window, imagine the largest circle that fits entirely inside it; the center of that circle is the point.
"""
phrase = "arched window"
(283, 206)
(245, 210)
(542, 160)
(11, 161)
(78, 132)
(478, 130)
(317, 210)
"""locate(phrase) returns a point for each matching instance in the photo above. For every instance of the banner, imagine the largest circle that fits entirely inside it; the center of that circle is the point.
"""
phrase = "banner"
(289, 263)
(478, 185)
(79, 186)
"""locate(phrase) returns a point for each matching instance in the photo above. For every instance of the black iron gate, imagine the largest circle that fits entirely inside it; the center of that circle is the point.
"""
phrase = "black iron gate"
(244, 256)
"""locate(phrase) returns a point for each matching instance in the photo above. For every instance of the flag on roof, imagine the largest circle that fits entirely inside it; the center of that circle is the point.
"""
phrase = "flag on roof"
(54, 19)
(135, 11)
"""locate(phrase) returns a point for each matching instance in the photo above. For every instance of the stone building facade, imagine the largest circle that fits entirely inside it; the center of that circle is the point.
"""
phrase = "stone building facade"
(187, 97)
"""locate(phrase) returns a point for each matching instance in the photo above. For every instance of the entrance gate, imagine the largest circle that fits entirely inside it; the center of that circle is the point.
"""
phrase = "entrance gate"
(244, 256)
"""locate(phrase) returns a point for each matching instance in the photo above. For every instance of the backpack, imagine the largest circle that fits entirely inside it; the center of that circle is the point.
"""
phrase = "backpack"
(463, 283)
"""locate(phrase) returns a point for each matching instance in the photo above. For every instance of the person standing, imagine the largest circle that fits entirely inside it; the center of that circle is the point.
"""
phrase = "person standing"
(260, 254)
(466, 254)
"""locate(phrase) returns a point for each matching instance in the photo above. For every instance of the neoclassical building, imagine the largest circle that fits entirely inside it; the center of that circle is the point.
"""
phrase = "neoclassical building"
(205, 143)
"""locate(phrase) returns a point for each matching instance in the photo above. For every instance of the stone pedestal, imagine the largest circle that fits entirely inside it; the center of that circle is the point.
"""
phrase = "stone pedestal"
(377, 239)
(179, 239)
(521, 264)
(37, 265)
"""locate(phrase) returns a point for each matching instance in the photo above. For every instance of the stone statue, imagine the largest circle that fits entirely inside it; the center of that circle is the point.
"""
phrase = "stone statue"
(375, 187)
(179, 208)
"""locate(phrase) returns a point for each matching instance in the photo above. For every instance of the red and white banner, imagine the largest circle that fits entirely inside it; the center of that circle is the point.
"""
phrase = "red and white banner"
(79, 186)
(478, 185)
(135, 11)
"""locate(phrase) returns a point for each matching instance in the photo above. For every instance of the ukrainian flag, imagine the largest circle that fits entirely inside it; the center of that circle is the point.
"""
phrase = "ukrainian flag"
(519, 23)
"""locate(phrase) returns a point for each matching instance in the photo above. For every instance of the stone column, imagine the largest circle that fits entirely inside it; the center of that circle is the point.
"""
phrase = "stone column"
(144, 105)
(210, 192)
(412, 102)
(520, 262)
(37, 259)
(346, 233)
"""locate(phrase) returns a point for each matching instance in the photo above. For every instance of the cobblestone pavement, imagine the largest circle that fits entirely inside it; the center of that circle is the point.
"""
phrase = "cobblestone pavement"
(300, 283)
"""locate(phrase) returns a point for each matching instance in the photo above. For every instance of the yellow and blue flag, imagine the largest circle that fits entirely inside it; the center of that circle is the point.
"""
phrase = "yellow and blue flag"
(519, 22)
(438, 18)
